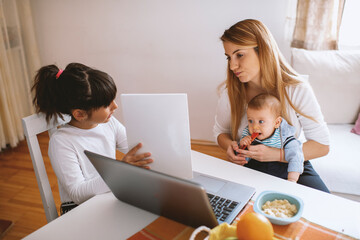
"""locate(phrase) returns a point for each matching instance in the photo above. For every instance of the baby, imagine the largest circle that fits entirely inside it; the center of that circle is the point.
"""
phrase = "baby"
(264, 118)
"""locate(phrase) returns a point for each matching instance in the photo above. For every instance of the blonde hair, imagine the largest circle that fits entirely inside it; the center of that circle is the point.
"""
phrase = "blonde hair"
(276, 73)
(265, 100)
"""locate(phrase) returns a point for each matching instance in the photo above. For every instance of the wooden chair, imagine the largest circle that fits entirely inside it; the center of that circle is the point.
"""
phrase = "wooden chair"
(33, 125)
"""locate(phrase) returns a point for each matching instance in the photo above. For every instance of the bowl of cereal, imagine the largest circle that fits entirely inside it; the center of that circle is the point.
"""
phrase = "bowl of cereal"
(279, 208)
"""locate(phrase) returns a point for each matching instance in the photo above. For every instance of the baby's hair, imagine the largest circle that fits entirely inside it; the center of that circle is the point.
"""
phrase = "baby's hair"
(77, 87)
(265, 100)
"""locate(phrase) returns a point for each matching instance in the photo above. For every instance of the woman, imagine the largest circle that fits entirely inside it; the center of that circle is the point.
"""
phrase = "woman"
(255, 66)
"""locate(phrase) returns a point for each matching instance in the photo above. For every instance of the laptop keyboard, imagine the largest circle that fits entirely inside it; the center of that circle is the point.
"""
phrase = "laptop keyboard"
(222, 207)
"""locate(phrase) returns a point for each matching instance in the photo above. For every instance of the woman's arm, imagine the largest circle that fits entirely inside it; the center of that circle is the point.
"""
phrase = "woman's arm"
(316, 132)
(222, 129)
(262, 153)
(313, 149)
(225, 142)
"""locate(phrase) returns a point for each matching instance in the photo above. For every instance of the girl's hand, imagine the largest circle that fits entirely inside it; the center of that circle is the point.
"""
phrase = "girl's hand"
(237, 159)
(140, 160)
(262, 153)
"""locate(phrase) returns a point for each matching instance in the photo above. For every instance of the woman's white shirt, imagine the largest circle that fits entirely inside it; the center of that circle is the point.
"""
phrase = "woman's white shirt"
(302, 97)
(77, 177)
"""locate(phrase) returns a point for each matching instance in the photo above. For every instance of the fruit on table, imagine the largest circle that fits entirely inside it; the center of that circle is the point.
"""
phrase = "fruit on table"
(254, 226)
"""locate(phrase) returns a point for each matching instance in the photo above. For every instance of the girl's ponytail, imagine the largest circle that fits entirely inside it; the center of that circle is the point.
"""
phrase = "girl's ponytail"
(45, 99)
(77, 87)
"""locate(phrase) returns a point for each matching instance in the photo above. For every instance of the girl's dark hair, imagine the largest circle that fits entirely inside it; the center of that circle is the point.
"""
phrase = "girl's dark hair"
(77, 87)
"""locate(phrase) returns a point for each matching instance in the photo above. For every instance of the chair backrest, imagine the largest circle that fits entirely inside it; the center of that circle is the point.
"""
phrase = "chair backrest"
(33, 125)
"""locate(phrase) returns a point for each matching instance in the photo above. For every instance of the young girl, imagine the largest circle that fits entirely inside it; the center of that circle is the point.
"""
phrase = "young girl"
(88, 96)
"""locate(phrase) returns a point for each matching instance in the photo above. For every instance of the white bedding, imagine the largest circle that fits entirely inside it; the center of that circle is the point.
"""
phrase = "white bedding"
(340, 169)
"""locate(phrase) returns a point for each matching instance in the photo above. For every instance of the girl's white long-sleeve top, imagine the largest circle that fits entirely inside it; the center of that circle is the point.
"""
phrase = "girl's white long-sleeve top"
(78, 179)
(302, 96)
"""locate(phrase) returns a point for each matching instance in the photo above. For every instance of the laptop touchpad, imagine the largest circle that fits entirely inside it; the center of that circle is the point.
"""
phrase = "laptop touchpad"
(210, 184)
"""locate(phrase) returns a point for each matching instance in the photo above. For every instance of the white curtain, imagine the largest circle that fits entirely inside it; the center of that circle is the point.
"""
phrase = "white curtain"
(317, 24)
(19, 60)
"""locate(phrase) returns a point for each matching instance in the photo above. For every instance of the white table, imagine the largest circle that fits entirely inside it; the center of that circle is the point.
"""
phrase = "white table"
(105, 217)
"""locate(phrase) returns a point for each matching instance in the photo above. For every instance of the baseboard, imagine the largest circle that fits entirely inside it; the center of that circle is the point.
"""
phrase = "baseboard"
(203, 142)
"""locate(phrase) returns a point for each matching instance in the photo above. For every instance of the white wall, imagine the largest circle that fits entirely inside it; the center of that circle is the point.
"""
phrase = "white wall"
(155, 46)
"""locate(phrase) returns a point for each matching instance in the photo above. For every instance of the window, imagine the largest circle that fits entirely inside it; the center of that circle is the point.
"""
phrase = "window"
(349, 35)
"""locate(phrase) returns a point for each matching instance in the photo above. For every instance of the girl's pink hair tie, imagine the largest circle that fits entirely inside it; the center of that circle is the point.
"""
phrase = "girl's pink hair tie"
(59, 73)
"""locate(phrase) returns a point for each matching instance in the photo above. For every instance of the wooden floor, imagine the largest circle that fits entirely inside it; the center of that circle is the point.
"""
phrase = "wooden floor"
(20, 199)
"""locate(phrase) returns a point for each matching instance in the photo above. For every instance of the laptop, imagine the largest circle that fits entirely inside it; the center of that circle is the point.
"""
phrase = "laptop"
(176, 198)
(161, 123)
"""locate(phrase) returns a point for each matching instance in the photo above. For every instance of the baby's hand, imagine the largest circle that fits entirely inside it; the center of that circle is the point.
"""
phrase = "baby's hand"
(245, 141)
(293, 176)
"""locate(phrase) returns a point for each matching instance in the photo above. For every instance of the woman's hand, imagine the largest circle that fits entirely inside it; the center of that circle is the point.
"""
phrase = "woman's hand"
(262, 153)
(140, 160)
(238, 159)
